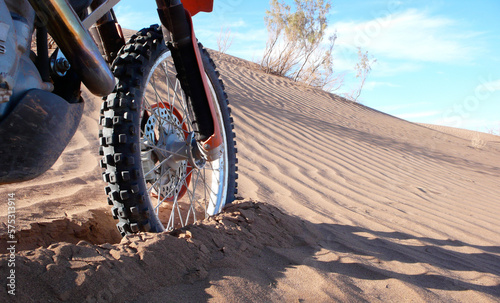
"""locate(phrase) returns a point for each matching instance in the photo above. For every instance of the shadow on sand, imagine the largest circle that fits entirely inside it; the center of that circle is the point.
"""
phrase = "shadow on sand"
(253, 242)
(283, 242)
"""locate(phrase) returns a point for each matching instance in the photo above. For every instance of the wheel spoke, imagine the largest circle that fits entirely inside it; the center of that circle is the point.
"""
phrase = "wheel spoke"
(208, 189)
(153, 112)
(178, 206)
(171, 219)
(186, 118)
(156, 147)
(162, 120)
(175, 192)
(177, 89)
(169, 84)
(191, 207)
(157, 166)
(159, 193)
(214, 169)
(153, 185)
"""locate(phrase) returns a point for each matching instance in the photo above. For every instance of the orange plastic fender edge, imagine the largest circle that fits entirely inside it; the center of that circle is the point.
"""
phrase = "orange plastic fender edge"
(196, 6)
(212, 144)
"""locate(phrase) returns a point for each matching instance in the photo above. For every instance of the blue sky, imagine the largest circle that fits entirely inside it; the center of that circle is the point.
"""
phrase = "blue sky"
(438, 62)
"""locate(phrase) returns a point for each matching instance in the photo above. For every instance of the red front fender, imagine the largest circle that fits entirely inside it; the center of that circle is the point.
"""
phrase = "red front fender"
(196, 6)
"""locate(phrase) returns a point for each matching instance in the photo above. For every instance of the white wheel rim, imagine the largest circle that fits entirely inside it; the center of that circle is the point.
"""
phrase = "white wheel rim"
(206, 191)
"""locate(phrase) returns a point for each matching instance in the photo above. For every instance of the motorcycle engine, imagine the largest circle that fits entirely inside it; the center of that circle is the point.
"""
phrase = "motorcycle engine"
(18, 73)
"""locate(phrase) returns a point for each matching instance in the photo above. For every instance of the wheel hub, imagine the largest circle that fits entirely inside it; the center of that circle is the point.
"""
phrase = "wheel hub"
(164, 143)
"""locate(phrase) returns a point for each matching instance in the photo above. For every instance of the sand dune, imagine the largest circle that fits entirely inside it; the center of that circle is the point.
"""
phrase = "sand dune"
(355, 205)
(476, 139)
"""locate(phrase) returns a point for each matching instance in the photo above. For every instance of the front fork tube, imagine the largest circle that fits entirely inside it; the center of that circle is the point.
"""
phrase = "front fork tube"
(189, 66)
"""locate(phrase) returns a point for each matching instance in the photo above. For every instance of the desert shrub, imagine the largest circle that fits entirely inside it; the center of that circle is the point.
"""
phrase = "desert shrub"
(363, 68)
(297, 45)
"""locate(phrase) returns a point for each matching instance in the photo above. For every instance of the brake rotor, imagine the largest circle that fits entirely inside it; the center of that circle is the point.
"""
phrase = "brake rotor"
(164, 125)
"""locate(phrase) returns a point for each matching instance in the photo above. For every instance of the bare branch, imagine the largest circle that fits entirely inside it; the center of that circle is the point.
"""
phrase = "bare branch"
(225, 40)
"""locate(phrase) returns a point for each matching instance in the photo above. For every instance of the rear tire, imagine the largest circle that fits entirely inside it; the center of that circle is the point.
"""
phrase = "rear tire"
(141, 120)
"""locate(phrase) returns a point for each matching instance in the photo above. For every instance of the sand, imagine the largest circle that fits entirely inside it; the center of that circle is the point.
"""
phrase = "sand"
(338, 202)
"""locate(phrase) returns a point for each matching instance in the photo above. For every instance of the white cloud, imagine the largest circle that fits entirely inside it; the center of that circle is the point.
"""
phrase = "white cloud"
(345, 59)
(401, 106)
(491, 86)
(247, 43)
(384, 68)
(238, 23)
(411, 35)
(370, 85)
(136, 20)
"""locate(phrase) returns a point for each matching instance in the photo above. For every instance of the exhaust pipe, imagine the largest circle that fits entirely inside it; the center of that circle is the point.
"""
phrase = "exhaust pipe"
(76, 44)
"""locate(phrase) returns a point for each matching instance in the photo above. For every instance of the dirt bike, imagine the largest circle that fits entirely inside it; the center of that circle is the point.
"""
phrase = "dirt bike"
(166, 136)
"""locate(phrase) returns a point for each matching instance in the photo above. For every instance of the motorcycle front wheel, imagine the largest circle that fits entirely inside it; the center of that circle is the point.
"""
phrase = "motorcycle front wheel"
(148, 127)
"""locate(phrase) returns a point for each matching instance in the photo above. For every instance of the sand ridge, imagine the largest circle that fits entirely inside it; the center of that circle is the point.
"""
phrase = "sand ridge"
(355, 205)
